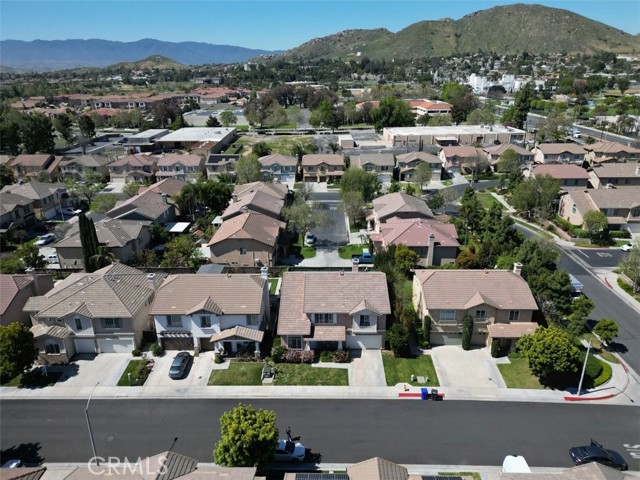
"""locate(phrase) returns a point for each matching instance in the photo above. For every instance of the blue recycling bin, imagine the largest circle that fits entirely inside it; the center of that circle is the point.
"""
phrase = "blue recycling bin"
(424, 393)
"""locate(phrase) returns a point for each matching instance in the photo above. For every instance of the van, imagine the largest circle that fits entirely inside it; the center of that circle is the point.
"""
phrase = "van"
(52, 258)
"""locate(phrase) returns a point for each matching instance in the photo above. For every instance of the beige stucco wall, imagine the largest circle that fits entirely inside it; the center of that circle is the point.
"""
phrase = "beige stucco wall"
(228, 252)
(565, 211)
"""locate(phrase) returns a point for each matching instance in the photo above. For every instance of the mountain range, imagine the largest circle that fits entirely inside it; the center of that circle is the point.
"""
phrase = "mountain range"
(505, 30)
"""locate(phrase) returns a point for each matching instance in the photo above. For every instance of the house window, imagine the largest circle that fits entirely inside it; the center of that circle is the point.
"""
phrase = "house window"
(294, 342)
(252, 320)
(514, 315)
(384, 168)
(323, 318)
(635, 212)
(574, 209)
(174, 321)
(78, 324)
(365, 321)
(481, 315)
(52, 347)
(447, 316)
(243, 251)
(112, 323)
(205, 322)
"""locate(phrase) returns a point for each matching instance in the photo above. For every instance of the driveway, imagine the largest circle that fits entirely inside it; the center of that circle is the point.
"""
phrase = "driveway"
(197, 374)
(87, 369)
(366, 369)
(326, 257)
(465, 368)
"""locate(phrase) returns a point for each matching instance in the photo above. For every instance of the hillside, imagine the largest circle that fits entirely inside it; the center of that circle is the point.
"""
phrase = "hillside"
(505, 30)
(154, 61)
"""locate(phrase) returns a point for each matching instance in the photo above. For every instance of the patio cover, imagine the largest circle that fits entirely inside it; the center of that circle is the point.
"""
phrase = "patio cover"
(326, 333)
(238, 331)
(511, 330)
(55, 331)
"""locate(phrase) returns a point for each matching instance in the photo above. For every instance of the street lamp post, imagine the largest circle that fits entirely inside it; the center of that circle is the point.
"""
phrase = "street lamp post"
(86, 414)
(584, 367)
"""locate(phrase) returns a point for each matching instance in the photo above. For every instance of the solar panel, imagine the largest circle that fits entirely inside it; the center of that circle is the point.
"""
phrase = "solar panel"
(440, 477)
(322, 476)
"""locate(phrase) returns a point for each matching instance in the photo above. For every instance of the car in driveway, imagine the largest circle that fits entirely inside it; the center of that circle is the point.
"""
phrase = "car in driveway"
(288, 451)
(179, 365)
(595, 452)
(15, 463)
(627, 247)
(45, 239)
(309, 239)
(71, 211)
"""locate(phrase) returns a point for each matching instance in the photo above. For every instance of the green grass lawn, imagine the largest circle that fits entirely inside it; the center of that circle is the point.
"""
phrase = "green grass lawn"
(139, 370)
(305, 374)
(517, 374)
(345, 251)
(273, 284)
(487, 200)
(628, 288)
(33, 379)
(299, 250)
(399, 370)
(536, 229)
(238, 373)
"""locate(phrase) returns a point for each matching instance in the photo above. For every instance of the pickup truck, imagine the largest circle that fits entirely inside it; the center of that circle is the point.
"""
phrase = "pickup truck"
(366, 257)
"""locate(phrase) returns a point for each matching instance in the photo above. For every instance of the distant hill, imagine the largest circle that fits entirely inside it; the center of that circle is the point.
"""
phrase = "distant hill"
(154, 61)
(62, 54)
(505, 30)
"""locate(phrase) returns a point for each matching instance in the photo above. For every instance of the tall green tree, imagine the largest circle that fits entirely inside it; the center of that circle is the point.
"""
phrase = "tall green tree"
(595, 223)
(30, 254)
(17, 350)
(88, 240)
(37, 134)
(131, 189)
(606, 329)
(249, 437)
(212, 121)
(534, 197)
(577, 320)
(471, 213)
(508, 161)
(102, 258)
(518, 112)
(405, 258)
(258, 110)
(392, 112)
(358, 180)
(261, 149)
(630, 265)
(64, 125)
(327, 115)
(354, 206)
(104, 203)
(549, 351)
(302, 216)
(10, 138)
(181, 251)
(228, 118)
(423, 174)
(462, 100)
(87, 126)
(248, 169)
(6, 175)
(467, 332)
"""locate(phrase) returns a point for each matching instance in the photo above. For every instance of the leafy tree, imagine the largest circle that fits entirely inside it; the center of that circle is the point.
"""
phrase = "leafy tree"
(102, 258)
(327, 115)
(144, 258)
(392, 112)
(441, 120)
(159, 234)
(353, 205)
(258, 110)
(623, 84)
(518, 112)
(64, 126)
(549, 351)
(630, 265)
(104, 203)
(10, 138)
(248, 169)
(467, 332)
(181, 251)
(535, 196)
(497, 236)
(249, 437)
(409, 189)
(398, 338)
(87, 189)
(508, 161)
(606, 329)
(481, 116)
(594, 222)
(17, 350)
(358, 180)
(213, 121)
(6, 175)
(461, 99)
(87, 126)
(405, 258)
(131, 189)
(30, 254)
(423, 174)
(261, 149)
(228, 118)
(36, 132)
(556, 126)
(302, 216)
(577, 320)
(449, 196)
(471, 212)
(435, 201)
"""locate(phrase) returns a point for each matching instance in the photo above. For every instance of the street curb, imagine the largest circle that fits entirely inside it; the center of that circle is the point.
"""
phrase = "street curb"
(606, 280)
(583, 399)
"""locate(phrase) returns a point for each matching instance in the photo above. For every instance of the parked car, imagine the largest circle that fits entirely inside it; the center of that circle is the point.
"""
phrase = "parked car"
(288, 451)
(366, 257)
(627, 247)
(179, 365)
(45, 239)
(309, 239)
(15, 463)
(71, 211)
(52, 258)
(595, 452)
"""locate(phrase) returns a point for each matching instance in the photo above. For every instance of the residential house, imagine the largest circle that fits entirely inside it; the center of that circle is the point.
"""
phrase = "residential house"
(620, 205)
(77, 167)
(15, 290)
(169, 186)
(420, 108)
(408, 162)
(373, 469)
(259, 201)
(16, 211)
(281, 168)
(463, 157)
(568, 174)
(382, 164)
(133, 168)
(435, 242)
(559, 153)
(618, 175)
(610, 152)
(38, 166)
(146, 141)
(247, 240)
(147, 205)
(333, 310)
(491, 297)
(185, 138)
(320, 167)
(223, 312)
(218, 163)
(494, 152)
(48, 198)
(186, 167)
(123, 237)
(399, 205)
(100, 312)
(278, 190)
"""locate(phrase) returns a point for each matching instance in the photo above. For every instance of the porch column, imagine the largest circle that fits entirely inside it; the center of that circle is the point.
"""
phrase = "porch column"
(256, 347)
(340, 345)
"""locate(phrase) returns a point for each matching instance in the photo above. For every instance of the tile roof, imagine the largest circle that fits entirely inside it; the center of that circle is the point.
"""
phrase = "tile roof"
(149, 204)
(627, 197)
(305, 293)
(258, 200)
(377, 469)
(87, 160)
(257, 226)
(239, 331)
(378, 159)
(135, 160)
(114, 291)
(617, 170)
(113, 232)
(558, 148)
(420, 156)
(35, 190)
(459, 151)
(35, 160)
(10, 285)
(398, 202)
(227, 294)
(511, 330)
(501, 289)
(329, 333)
(611, 148)
(170, 186)
(415, 233)
(429, 105)
(582, 200)
(188, 160)
(56, 331)
(318, 158)
(561, 171)
(275, 189)
(503, 147)
(278, 159)
(9, 201)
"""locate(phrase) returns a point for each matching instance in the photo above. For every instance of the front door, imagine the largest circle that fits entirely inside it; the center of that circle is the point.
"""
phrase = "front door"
(228, 347)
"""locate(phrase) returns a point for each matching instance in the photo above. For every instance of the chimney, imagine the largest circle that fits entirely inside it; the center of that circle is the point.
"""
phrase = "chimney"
(151, 280)
(32, 273)
(354, 268)
(165, 198)
(431, 250)
(517, 269)
(264, 272)
(234, 197)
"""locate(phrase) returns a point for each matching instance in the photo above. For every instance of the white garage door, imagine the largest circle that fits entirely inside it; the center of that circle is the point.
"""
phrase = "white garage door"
(116, 345)
(85, 345)
(364, 342)
(446, 339)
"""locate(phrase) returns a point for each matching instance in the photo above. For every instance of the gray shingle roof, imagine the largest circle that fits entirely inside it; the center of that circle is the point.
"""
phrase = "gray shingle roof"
(35, 190)
(149, 204)
(113, 232)
(394, 203)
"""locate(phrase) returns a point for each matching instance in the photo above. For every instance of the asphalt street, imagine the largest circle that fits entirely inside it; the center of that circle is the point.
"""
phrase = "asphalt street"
(337, 431)
(601, 257)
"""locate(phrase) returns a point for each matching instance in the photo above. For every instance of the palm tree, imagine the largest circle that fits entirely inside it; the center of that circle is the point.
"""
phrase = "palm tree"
(102, 258)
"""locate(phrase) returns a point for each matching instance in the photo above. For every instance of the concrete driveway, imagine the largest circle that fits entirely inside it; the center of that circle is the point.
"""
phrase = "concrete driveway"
(85, 370)
(465, 368)
(366, 369)
(197, 374)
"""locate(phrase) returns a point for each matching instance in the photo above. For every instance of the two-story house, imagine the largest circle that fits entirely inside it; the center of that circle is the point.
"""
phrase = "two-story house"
(568, 174)
(186, 167)
(320, 167)
(494, 152)
(48, 198)
(16, 211)
(133, 168)
(77, 167)
(222, 312)
(106, 311)
(148, 205)
(16, 290)
(333, 310)
(408, 162)
(398, 205)
(221, 163)
(489, 297)
(258, 201)
(559, 153)
(462, 156)
(39, 166)
(610, 152)
(281, 168)
(382, 164)
(616, 175)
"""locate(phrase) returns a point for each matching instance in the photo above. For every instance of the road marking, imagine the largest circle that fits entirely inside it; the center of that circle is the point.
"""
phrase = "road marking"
(580, 251)
(604, 254)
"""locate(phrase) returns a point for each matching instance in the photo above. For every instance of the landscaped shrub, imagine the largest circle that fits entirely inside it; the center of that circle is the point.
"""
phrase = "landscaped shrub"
(341, 356)
(604, 376)
(156, 349)
(564, 224)
(325, 356)
(278, 352)
(398, 338)
(580, 233)
(218, 359)
(427, 331)
(299, 356)
(136, 352)
(495, 348)
(619, 234)
(467, 332)
(594, 366)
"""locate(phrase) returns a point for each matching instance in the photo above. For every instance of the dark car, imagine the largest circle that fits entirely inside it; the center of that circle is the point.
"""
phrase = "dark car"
(597, 453)
(179, 365)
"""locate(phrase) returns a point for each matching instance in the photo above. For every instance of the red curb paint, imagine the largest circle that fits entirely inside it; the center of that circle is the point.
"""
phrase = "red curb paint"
(582, 399)
(607, 282)
(409, 395)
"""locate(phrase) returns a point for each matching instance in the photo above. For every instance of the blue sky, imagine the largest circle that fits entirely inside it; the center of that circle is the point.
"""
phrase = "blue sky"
(264, 24)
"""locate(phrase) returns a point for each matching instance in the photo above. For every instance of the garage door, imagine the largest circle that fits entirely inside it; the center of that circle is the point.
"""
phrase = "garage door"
(364, 342)
(182, 343)
(85, 345)
(448, 339)
(115, 345)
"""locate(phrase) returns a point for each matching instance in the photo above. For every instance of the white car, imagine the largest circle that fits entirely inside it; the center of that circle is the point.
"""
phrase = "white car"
(45, 239)
(309, 239)
(627, 247)
(71, 211)
(289, 452)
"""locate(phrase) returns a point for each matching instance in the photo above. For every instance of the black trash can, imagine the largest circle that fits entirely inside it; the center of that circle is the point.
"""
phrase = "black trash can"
(434, 394)
(424, 393)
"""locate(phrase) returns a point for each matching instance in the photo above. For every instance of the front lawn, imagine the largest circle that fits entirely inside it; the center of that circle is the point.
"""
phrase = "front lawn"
(273, 285)
(299, 250)
(487, 200)
(346, 251)
(628, 288)
(34, 379)
(517, 374)
(238, 373)
(135, 374)
(305, 374)
(399, 370)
